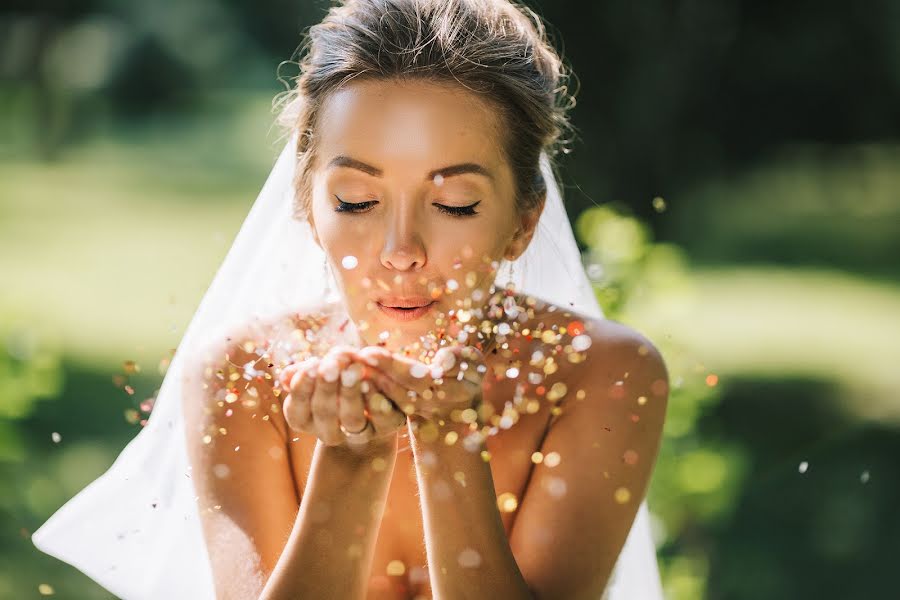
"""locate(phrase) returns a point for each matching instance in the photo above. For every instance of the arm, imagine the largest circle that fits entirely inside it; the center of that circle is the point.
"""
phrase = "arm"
(574, 517)
(258, 543)
(244, 531)
(468, 553)
(330, 550)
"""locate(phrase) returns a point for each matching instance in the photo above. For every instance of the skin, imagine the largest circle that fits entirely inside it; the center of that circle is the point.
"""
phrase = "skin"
(405, 242)
(572, 518)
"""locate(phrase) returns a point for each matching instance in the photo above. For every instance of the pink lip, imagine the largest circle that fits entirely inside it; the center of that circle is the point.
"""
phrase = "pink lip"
(405, 314)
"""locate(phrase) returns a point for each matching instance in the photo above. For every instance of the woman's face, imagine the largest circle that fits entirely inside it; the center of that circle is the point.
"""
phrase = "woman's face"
(412, 201)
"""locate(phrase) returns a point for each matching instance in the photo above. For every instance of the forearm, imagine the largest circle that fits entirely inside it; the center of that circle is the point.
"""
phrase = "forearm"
(330, 549)
(468, 552)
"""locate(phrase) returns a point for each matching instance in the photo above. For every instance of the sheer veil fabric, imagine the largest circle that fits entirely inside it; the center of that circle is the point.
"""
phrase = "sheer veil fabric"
(136, 531)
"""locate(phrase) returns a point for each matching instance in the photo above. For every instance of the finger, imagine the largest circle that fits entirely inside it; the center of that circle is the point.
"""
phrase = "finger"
(404, 399)
(297, 403)
(465, 363)
(408, 372)
(324, 402)
(383, 413)
(351, 407)
(287, 373)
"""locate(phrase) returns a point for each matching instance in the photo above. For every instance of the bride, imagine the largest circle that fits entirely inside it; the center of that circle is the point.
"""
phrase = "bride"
(368, 406)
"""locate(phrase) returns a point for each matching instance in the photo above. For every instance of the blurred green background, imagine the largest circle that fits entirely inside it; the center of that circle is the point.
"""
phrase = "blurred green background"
(734, 185)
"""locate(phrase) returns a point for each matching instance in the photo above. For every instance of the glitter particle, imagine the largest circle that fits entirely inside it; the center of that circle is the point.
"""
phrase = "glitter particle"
(622, 495)
(556, 486)
(803, 467)
(55, 437)
(349, 262)
(557, 391)
(469, 558)
(507, 502)
(537, 458)
(419, 370)
(551, 459)
(630, 457)
(396, 568)
(45, 589)
(581, 342)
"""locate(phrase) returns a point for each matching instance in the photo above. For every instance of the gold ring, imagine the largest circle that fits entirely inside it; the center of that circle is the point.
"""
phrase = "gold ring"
(355, 436)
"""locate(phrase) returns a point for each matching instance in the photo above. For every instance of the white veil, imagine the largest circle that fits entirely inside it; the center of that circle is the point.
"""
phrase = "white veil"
(136, 531)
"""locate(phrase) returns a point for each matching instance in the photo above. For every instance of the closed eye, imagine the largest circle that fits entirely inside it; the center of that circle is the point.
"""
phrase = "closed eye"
(353, 206)
(458, 211)
(359, 207)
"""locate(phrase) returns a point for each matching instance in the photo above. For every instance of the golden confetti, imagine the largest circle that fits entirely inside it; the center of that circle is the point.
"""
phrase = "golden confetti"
(507, 502)
(469, 558)
(451, 438)
(207, 439)
(396, 567)
(642, 400)
(45, 589)
(622, 495)
(379, 464)
(131, 367)
(537, 457)
(551, 459)
(557, 391)
(630, 457)
(659, 204)
(132, 416)
(580, 395)
(428, 432)
(485, 456)
(460, 478)
(470, 415)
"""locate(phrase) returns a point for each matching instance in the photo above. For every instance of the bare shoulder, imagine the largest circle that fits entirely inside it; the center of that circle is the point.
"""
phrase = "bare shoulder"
(611, 395)
(237, 444)
(603, 354)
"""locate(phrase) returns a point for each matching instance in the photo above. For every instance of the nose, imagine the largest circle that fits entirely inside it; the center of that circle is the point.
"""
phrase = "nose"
(403, 248)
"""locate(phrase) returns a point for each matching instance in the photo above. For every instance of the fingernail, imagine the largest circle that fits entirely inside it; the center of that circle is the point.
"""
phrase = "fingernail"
(349, 377)
(330, 372)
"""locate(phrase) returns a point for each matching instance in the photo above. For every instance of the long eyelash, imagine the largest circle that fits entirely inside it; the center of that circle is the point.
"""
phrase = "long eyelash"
(456, 211)
(353, 207)
(459, 211)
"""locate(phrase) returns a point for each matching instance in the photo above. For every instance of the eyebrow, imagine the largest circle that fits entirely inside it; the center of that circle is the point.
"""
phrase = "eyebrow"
(450, 171)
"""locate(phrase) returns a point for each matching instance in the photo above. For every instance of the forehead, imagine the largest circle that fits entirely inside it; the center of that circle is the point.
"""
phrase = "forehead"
(416, 120)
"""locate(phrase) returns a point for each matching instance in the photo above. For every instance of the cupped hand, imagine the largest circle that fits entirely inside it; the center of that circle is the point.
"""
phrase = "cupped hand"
(335, 396)
(449, 388)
